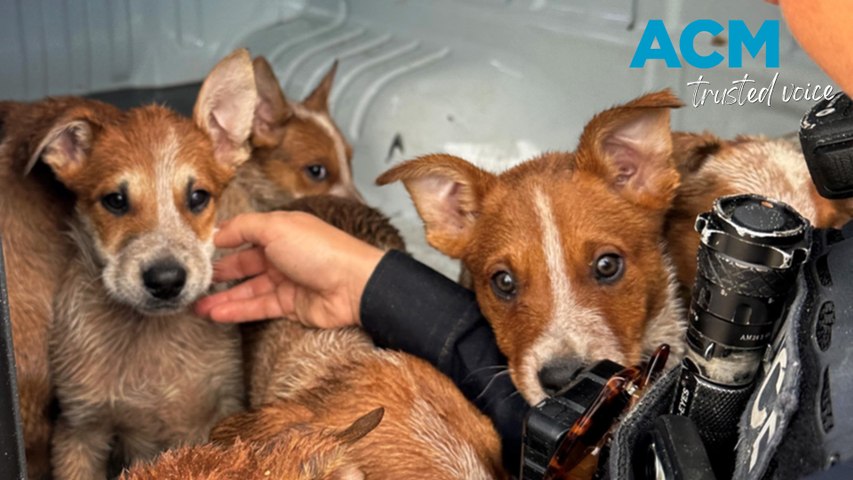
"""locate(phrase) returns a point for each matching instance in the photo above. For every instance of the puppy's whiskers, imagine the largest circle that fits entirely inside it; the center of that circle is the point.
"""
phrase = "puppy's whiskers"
(491, 382)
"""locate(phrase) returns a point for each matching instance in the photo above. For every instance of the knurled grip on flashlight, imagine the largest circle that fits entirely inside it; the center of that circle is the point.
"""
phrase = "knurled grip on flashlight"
(753, 282)
(715, 409)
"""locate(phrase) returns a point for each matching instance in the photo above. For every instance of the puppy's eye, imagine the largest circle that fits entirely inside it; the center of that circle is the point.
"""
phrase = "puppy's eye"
(198, 199)
(316, 172)
(503, 285)
(116, 203)
(609, 268)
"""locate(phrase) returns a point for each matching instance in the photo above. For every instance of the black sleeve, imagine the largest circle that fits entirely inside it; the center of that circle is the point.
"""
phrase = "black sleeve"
(411, 307)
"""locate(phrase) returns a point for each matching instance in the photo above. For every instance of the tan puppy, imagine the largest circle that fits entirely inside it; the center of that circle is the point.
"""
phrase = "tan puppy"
(566, 251)
(135, 371)
(325, 377)
(290, 452)
(297, 149)
(34, 211)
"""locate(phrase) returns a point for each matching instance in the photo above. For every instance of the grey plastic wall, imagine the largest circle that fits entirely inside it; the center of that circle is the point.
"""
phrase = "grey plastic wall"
(494, 81)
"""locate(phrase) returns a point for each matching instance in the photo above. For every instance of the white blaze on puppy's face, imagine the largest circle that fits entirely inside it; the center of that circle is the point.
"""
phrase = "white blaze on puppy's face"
(571, 330)
(297, 146)
(341, 183)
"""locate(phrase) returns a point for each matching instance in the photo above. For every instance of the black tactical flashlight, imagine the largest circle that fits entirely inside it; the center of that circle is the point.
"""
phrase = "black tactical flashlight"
(751, 250)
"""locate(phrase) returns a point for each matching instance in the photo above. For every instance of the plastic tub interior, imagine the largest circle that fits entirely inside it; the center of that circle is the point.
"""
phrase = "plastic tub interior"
(493, 81)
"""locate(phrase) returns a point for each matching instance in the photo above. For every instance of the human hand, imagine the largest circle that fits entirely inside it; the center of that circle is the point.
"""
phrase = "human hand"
(300, 267)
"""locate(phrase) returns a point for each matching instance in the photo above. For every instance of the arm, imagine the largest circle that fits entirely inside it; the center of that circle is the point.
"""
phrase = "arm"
(309, 271)
(823, 30)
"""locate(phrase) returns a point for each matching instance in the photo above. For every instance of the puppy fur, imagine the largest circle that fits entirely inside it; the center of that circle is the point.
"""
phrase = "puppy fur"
(298, 374)
(712, 167)
(352, 217)
(290, 452)
(542, 228)
(135, 371)
(34, 210)
(297, 150)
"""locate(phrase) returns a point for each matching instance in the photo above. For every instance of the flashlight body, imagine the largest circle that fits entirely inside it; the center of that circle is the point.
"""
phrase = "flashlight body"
(747, 263)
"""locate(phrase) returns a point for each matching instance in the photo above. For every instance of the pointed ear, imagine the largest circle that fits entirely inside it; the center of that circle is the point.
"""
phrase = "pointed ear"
(273, 110)
(630, 146)
(226, 105)
(319, 98)
(361, 427)
(448, 194)
(65, 148)
(690, 150)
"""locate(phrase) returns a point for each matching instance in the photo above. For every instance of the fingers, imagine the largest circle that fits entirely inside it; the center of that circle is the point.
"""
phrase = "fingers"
(256, 308)
(250, 291)
(243, 264)
(255, 228)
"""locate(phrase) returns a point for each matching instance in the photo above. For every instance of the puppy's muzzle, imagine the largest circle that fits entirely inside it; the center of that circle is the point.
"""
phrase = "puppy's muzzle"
(165, 279)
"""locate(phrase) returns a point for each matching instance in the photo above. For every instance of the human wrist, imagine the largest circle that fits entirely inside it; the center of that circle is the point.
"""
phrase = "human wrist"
(364, 264)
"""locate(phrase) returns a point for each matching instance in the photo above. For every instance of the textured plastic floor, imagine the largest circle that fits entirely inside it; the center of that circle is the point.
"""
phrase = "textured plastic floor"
(494, 81)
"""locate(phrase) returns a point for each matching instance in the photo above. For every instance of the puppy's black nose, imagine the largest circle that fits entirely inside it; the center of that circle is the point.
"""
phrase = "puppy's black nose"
(165, 279)
(558, 373)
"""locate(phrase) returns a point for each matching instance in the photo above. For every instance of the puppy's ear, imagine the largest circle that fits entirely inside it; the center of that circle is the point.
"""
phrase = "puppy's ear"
(65, 148)
(690, 151)
(361, 426)
(319, 98)
(273, 110)
(342, 469)
(630, 147)
(448, 194)
(226, 106)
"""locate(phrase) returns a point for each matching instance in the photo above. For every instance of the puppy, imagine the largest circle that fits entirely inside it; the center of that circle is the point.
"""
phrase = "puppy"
(297, 150)
(34, 210)
(566, 251)
(291, 452)
(711, 167)
(135, 371)
(325, 377)
(353, 217)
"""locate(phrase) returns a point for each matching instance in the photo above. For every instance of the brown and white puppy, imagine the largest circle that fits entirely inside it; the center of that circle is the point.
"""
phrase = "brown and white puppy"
(711, 167)
(297, 149)
(34, 211)
(288, 452)
(325, 377)
(135, 371)
(566, 250)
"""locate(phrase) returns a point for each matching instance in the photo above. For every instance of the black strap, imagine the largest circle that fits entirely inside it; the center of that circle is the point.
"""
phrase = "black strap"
(11, 436)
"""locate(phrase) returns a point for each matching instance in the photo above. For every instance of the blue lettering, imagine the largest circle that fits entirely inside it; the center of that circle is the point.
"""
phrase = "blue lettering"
(767, 35)
(655, 30)
(688, 50)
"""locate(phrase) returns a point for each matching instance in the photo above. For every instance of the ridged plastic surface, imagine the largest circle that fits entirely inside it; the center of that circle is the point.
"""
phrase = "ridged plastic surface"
(494, 81)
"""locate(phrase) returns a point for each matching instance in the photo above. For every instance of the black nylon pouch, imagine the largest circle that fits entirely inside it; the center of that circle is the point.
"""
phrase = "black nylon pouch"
(655, 402)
